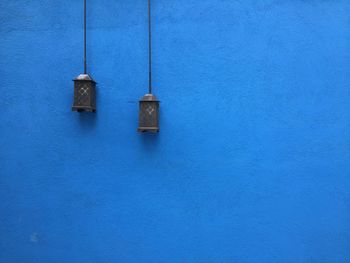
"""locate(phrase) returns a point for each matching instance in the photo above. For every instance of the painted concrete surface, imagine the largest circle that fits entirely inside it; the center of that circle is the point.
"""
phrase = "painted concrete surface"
(252, 163)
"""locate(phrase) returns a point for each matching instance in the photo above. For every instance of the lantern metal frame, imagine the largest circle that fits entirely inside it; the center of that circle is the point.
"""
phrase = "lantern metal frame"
(149, 114)
(84, 94)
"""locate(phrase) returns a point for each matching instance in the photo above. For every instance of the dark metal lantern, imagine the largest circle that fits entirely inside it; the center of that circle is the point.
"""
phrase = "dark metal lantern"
(149, 114)
(84, 85)
(149, 104)
(84, 94)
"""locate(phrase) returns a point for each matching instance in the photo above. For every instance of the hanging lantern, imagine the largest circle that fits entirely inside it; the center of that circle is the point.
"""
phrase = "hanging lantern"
(149, 111)
(84, 85)
(149, 104)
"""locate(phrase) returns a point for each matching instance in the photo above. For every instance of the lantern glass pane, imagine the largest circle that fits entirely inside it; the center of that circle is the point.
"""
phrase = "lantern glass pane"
(83, 94)
(148, 114)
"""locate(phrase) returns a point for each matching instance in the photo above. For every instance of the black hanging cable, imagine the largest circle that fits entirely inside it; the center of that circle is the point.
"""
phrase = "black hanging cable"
(149, 49)
(85, 37)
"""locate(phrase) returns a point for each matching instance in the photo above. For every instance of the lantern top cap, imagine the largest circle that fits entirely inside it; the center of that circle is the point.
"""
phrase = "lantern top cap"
(84, 77)
(149, 97)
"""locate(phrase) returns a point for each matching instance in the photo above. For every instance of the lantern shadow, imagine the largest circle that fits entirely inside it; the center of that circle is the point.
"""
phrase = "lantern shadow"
(149, 141)
(87, 120)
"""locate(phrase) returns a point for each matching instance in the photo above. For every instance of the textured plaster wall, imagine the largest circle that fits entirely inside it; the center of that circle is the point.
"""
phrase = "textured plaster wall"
(252, 163)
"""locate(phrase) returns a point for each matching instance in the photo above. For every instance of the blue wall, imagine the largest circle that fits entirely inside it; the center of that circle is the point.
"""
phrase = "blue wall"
(252, 163)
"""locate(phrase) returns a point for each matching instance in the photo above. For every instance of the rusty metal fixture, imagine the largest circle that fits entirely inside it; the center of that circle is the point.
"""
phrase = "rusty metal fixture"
(84, 85)
(149, 104)
(84, 94)
(149, 114)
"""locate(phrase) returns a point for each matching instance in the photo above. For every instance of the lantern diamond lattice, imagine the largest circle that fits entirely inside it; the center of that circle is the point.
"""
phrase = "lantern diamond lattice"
(84, 94)
(149, 114)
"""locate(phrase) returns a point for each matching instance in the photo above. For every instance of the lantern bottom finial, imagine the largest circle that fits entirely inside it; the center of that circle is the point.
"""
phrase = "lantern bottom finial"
(148, 129)
(83, 109)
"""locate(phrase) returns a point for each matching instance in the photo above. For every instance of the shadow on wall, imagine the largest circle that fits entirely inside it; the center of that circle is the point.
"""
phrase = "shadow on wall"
(87, 120)
(149, 141)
